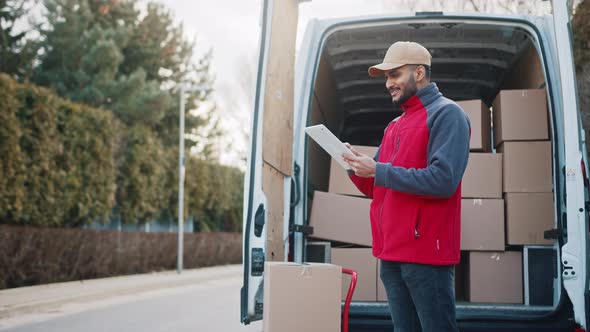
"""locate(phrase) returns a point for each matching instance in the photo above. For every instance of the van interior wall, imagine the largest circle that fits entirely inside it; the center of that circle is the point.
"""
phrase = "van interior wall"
(324, 110)
(526, 73)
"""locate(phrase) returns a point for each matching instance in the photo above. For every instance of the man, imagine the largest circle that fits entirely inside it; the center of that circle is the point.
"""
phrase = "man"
(415, 185)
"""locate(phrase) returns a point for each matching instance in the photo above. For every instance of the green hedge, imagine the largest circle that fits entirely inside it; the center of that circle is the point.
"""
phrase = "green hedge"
(57, 163)
(64, 164)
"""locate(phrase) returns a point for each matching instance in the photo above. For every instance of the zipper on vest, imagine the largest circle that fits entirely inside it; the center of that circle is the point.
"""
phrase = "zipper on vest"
(397, 141)
(396, 148)
(417, 225)
(380, 217)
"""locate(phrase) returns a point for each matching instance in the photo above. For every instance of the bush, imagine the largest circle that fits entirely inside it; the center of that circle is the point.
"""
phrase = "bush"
(141, 180)
(57, 158)
(38, 255)
(581, 45)
(581, 34)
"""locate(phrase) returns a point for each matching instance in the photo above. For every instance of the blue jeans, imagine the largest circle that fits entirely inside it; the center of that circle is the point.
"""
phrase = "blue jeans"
(421, 297)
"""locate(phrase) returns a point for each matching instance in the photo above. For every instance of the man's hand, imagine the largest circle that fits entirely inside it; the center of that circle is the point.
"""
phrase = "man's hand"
(362, 165)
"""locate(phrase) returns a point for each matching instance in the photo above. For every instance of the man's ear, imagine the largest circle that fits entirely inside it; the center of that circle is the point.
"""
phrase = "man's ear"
(420, 73)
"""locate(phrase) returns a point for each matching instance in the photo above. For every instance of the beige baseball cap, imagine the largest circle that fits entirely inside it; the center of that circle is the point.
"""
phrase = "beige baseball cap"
(399, 54)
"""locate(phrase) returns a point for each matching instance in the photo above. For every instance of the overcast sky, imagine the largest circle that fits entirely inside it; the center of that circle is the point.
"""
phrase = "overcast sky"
(231, 30)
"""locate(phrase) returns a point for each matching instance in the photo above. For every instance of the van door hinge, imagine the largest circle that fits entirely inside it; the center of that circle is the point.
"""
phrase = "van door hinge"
(257, 262)
(258, 308)
(307, 230)
(552, 234)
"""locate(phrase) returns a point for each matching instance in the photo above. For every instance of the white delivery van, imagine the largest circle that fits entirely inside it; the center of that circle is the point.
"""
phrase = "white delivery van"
(474, 57)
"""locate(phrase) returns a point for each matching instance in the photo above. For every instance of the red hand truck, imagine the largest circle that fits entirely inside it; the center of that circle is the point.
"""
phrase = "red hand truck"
(353, 279)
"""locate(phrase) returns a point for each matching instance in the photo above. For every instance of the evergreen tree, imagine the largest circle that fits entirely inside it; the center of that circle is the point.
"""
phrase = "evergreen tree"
(112, 56)
(105, 53)
(581, 34)
(16, 52)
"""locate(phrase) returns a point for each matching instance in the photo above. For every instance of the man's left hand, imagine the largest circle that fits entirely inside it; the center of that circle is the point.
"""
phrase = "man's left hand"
(362, 165)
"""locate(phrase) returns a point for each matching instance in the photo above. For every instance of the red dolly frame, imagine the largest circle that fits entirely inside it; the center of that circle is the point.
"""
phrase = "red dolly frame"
(353, 280)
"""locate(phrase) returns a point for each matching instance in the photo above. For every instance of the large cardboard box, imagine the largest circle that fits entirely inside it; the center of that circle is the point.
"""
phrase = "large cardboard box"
(480, 118)
(495, 277)
(528, 216)
(341, 218)
(362, 261)
(483, 176)
(340, 183)
(520, 115)
(301, 297)
(527, 167)
(482, 224)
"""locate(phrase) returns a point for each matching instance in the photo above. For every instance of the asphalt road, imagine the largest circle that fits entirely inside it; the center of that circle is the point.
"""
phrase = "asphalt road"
(209, 306)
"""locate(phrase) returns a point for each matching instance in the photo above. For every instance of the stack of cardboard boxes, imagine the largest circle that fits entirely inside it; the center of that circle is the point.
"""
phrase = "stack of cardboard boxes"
(507, 204)
(507, 195)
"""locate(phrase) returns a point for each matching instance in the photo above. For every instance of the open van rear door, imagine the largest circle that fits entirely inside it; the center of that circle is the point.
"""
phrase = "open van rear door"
(575, 251)
(268, 176)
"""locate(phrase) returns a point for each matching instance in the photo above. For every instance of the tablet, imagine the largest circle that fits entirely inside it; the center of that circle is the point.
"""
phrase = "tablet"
(330, 143)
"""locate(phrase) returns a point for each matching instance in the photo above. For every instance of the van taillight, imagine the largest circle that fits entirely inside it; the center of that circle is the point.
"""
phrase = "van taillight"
(579, 330)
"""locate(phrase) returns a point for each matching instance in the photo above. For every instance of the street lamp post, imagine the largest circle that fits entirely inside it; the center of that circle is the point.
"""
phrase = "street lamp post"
(181, 172)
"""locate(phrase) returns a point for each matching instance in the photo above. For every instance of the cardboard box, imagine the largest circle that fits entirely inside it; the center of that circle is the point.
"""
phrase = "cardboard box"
(340, 183)
(381, 293)
(483, 176)
(528, 216)
(482, 224)
(312, 291)
(341, 218)
(362, 261)
(481, 127)
(495, 277)
(527, 167)
(520, 115)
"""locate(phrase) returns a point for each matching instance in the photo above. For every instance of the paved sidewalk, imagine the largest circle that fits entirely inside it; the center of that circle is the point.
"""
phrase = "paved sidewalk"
(27, 300)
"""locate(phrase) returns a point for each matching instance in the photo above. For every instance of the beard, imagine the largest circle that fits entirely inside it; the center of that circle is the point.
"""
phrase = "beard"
(407, 92)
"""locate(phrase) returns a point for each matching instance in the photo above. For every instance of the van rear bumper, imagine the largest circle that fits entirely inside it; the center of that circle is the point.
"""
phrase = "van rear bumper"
(375, 317)
(376, 325)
